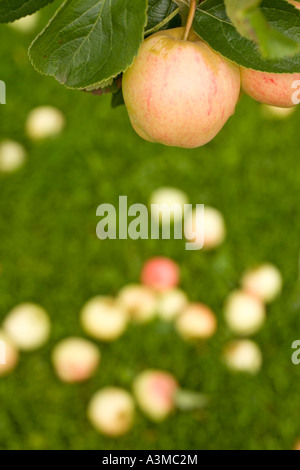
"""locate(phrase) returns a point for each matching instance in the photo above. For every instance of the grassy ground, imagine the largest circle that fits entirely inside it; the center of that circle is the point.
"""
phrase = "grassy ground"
(50, 255)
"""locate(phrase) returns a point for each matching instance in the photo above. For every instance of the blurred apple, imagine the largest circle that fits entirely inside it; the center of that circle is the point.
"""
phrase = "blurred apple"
(75, 359)
(111, 411)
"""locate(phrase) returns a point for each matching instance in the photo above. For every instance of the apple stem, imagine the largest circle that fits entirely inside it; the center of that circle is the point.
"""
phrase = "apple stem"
(190, 19)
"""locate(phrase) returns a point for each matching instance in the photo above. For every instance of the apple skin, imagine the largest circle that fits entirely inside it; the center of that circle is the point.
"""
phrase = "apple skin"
(111, 411)
(180, 93)
(154, 391)
(160, 274)
(274, 89)
(296, 4)
(270, 88)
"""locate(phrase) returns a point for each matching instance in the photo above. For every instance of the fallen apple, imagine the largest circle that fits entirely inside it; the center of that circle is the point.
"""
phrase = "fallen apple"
(155, 391)
(75, 359)
(171, 304)
(243, 356)
(103, 318)
(264, 282)
(197, 321)
(139, 301)
(111, 411)
(160, 273)
(9, 355)
(244, 313)
(28, 325)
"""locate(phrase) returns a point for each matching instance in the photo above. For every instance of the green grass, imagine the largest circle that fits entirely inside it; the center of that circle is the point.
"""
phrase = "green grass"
(49, 254)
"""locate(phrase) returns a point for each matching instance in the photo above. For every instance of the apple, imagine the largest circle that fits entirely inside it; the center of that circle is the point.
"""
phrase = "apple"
(155, 391)
(297, 445)
(296, 4)
(12, 156)
(180, 93)
(104, 319)
(111, 411)
(139, 301)
(28, 326)
(26, 24)
(264, 282)
(44, 122)
(243, 356)
(160, 273)
(244, 313)
(276, 114)
(75, 359)
(10, 354)
(163, 199)
(275, 89)
(213, 228)
(171, 304)
(197, 321)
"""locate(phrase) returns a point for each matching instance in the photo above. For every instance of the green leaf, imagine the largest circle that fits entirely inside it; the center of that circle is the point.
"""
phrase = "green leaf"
(11, 10)
(88, 42)
(158, 11)
(250, 22)
(184, 7)
(239, 12)
(117, 99)
(213, 26)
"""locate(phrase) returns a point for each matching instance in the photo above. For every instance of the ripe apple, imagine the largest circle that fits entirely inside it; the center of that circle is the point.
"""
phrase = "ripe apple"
(28, 325)
(155, 391)
(180, 93)
(212, 227)
(171, 304)
(44, 122)
(264, 282)
(274, 89)
(244, 313)
(243, 356)
(275, 113)
(296, 4)
(297, 445)
(161, 274)
(11, 354)
(196, 321)
(104, 319)
(167, 204)
(139, 301)
(12, 156)
(111, 411)
(75, 359)
(26, 24)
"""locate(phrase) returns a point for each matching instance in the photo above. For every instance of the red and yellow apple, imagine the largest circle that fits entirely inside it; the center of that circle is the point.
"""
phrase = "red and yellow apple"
(274, 89)
(180, 93)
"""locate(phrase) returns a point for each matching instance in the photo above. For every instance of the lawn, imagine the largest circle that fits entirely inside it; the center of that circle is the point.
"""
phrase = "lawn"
(49, 254)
